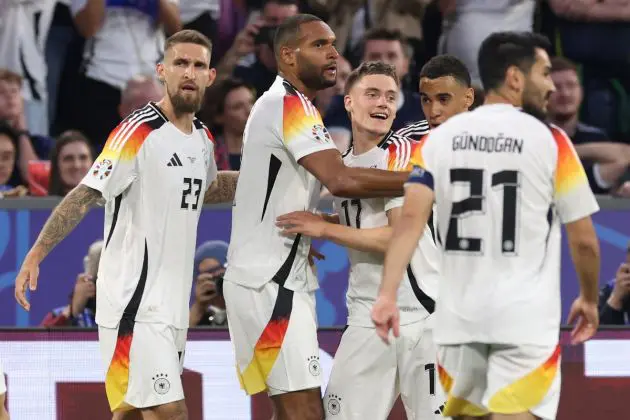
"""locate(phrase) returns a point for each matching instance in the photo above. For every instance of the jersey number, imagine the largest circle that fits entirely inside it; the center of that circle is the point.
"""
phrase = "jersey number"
(189, 185)
(508, 181)
(357, 203)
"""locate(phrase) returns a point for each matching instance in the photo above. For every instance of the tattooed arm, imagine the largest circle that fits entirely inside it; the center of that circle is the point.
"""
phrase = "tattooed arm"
(222, 190)
(61, 222)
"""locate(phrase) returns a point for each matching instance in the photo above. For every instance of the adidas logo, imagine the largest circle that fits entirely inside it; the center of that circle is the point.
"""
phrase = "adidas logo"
(175, 161)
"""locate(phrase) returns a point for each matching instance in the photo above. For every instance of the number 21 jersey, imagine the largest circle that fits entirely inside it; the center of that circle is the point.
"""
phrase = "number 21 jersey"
(503, 182)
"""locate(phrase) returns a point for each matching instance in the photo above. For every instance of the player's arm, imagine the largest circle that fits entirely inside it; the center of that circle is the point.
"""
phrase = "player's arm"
(222, 189)
(407, 232)
(342, 181)
(317, 227)
(169, 16)
(64, 218)
(405, 235)
(575, 203)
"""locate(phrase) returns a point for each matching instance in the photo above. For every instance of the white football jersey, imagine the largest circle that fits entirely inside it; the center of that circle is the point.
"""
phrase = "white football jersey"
(283, 127)
(153, 178)
(503, 183)
(418, 291)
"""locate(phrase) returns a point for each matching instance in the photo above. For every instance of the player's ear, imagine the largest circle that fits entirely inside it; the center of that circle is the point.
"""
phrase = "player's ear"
(469, 98)
(287, 55)
(347, 103)
(159, 69)
(211, 77)
(515, 79)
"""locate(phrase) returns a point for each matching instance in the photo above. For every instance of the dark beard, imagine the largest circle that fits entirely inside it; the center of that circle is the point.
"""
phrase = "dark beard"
(313, 78)
(535, 112)
(182, 106)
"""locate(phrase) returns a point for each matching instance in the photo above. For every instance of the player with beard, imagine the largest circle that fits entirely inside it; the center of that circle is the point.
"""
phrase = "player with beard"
(502, 181)
(445, 90)
(269, 286)
(152, 175)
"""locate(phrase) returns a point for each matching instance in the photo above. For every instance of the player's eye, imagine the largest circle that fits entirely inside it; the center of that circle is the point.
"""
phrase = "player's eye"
(391, 98)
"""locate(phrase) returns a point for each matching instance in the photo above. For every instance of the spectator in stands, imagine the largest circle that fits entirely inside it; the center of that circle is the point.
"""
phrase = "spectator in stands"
(614, 297)
(209, 306)
(8, 153)
(30, 146)
(466, 23)
(82, 308)
(71, 159)
(233, 100)
(251, 56)
(324, 97)
(605, 162)
(24, 28)
(123, 39)
(138, 91)
(392, 48)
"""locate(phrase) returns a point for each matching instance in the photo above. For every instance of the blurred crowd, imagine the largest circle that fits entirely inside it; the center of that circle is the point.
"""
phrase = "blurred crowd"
(70, 70)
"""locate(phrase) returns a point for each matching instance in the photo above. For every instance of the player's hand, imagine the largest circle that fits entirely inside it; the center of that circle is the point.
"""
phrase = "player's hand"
(304, 222)
(27, 276)
(586, 317)
(386, 316)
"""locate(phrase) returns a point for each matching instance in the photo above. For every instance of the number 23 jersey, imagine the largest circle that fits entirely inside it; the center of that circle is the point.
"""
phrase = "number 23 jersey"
(418, 290)
(153, 178)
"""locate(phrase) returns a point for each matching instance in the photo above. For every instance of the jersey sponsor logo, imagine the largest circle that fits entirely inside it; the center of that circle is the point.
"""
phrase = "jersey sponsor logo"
(161, 385)
(321, 134)
(174, 161)
(334, 404)
(313, 366)
(103, 168)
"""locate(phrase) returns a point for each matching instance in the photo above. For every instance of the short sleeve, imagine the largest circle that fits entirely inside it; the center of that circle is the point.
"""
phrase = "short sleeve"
(118, 164)
(403, 155)
(303, 131)
(421, 163)
(211, 162)
(573, 197)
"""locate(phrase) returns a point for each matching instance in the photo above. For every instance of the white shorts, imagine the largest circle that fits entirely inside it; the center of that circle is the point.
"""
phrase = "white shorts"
(274, 333)
(3, 384)
(368, 375)
(143, 364)
(504, 379)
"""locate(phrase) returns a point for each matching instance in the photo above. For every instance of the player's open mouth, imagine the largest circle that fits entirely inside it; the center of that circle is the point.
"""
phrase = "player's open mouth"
(189, 87)
(331, 69)
(379, 115)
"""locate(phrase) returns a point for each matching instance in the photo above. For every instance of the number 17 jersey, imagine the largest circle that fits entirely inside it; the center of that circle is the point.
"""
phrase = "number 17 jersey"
(503, 182)
(417, 293)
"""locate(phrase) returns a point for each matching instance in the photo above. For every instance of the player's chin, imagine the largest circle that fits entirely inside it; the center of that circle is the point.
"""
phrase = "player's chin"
(328, 80)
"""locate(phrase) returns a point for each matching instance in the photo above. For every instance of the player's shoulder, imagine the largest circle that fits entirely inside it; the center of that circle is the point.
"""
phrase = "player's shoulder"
(415, 130)
(136, 128)
(402, 151)
(203, 130)
(296, 103)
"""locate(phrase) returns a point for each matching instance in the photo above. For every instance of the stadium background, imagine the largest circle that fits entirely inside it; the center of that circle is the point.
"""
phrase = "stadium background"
(57, 373)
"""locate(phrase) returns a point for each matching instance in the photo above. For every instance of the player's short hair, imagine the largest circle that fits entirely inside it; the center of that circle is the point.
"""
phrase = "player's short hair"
(444, 66)
(501, 50)
(9, 76)
(384, 34)
(368, 68)
(289, 31)
(188, 36)
(562, 64)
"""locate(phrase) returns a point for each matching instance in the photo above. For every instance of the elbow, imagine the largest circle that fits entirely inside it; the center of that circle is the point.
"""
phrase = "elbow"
(340, 186)
(586, 247)
(87, 28)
